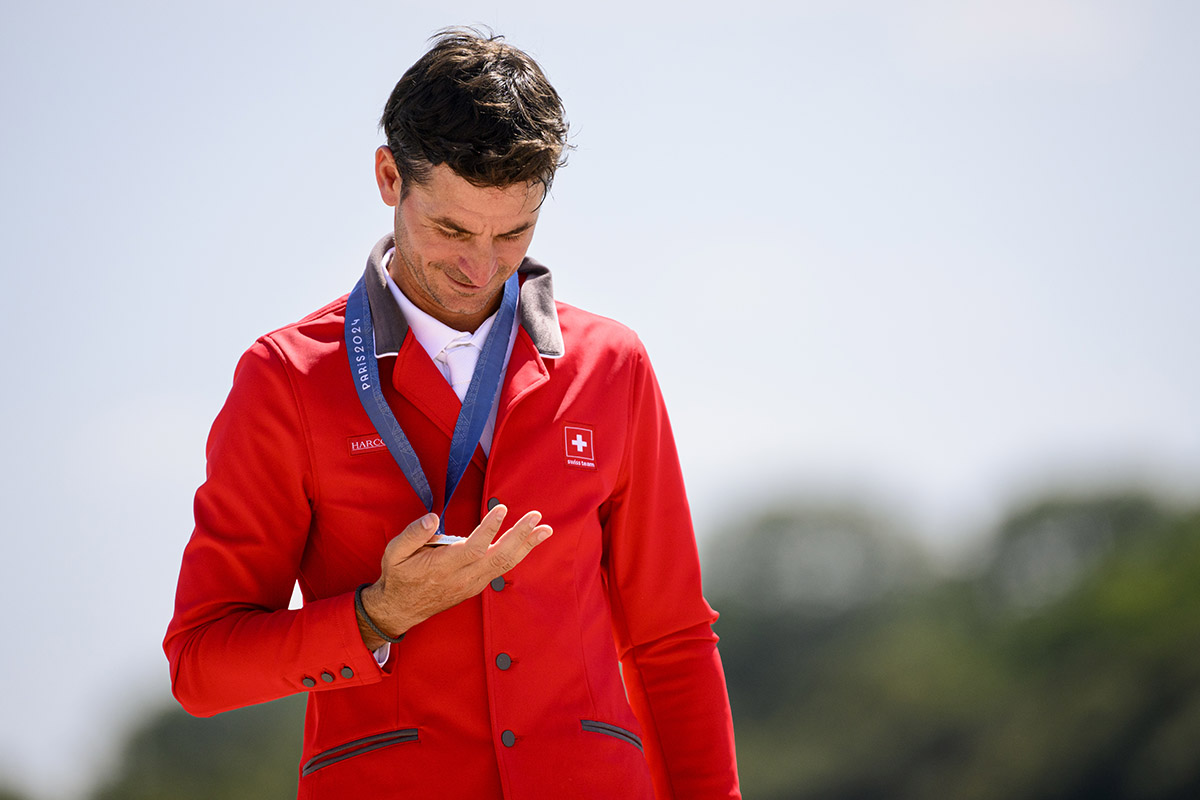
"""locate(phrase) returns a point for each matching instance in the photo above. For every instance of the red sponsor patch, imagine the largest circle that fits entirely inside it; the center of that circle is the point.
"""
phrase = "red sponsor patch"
(580, 447)
(365, 444)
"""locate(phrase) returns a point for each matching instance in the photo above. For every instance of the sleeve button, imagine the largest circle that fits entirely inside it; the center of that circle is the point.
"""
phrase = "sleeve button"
(327, 677)
(309, 682)
(347, 672)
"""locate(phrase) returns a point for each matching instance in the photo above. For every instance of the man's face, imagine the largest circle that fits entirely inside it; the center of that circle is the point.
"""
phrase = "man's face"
(456, 243)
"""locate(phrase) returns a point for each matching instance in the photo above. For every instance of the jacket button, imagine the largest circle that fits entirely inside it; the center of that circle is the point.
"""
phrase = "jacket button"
(309, 682)
(493, 502)
(508, 738)
(498, 583)
(347, 672)
(327, 677)
(503, 661)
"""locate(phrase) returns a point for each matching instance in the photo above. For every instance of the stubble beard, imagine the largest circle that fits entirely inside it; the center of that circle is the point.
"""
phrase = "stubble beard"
(445, 301)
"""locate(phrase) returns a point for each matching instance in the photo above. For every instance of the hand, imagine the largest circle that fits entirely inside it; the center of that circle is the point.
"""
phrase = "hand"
(417, 582)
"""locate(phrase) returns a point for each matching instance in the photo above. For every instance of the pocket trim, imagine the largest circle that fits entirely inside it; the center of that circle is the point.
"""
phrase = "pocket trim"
(358, 747)
(615, 731)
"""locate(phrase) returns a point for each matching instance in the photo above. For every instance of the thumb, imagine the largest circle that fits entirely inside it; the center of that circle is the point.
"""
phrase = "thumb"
(411, 539)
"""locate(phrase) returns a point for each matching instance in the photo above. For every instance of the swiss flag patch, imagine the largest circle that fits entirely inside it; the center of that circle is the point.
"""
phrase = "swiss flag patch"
(580, 446)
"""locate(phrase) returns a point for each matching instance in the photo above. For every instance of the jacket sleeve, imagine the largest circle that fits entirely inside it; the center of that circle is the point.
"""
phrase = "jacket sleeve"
(233, 641)
(662, 624)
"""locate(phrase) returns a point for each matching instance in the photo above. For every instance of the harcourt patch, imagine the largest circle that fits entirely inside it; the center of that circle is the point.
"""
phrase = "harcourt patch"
(580, 447)
(365, 444)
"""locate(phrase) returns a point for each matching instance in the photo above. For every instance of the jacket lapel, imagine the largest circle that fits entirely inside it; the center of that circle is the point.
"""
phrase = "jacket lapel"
(526, 372)
(416, 378)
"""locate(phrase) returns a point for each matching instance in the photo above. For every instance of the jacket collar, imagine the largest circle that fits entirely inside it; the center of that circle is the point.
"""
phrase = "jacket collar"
(536, 308)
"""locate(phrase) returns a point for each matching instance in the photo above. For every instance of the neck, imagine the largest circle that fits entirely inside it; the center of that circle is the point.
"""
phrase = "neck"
(466, 321)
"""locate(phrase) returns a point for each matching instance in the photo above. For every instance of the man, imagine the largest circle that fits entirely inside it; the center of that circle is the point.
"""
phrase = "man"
(374, 450)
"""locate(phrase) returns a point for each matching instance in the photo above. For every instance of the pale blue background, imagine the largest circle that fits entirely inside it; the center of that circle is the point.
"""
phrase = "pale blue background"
(936, 254)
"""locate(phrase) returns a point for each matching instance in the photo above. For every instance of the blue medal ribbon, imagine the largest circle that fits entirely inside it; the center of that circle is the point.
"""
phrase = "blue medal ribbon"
(476, 406)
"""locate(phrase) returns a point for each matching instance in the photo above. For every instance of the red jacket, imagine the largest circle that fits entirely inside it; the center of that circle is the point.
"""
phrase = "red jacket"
(514, 693)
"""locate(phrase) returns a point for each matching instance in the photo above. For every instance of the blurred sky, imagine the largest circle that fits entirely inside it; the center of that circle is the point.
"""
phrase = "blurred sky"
(937, 253)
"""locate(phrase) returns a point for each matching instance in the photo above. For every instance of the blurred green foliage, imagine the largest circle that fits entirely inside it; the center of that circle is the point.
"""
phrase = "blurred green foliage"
(1064, 664)
(248, 753)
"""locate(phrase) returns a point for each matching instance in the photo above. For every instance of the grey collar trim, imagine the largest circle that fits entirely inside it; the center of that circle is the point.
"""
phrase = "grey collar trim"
(537, 312)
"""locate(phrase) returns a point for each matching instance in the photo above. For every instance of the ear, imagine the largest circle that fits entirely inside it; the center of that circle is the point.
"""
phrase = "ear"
(387, 176)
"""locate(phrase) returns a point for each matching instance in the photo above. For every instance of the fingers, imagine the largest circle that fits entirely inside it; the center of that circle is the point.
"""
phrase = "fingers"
(517, 542)
(410, 540)
(477, 555)
(509, 549)
(479, 540)
(418, 582)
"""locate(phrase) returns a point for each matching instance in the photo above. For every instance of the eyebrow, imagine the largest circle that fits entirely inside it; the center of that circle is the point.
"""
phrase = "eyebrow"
(446, 222)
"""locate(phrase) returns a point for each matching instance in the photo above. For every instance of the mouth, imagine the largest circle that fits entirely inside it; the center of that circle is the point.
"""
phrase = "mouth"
(464, 287)
(462, 283)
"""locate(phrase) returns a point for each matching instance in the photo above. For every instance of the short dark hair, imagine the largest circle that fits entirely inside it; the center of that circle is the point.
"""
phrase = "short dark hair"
(480, 106)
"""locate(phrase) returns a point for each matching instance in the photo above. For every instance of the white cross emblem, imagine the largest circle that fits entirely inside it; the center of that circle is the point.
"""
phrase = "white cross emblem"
(581, 451)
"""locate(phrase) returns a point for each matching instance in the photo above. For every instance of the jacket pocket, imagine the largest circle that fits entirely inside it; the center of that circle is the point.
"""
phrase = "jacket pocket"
(591, 726)
(357, 748)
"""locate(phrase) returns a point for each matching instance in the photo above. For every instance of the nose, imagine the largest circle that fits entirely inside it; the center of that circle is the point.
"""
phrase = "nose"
(479, 262)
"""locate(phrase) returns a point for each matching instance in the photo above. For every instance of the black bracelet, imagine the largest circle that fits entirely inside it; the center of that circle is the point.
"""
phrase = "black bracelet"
(362, 612)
